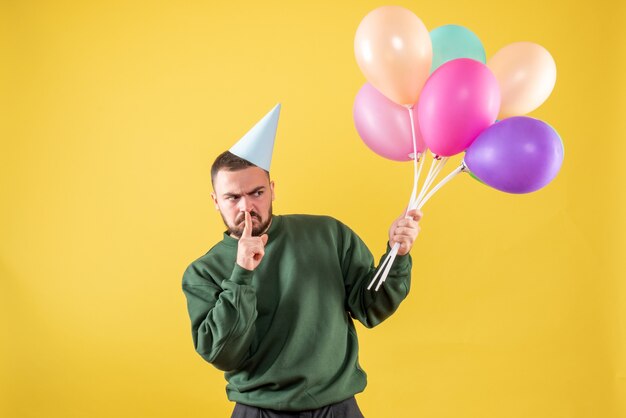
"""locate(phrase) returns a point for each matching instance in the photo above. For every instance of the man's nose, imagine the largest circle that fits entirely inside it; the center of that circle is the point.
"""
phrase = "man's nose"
(245, 204)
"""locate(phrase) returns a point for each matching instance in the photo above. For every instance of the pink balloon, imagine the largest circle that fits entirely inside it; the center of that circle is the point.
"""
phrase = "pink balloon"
(459, 100)
(385, 126)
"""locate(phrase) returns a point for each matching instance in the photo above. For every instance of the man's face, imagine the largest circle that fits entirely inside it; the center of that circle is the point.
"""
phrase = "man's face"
(247, 190)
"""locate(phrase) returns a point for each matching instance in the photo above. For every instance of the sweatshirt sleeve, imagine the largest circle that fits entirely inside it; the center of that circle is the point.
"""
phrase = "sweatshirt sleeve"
(222, 316)
(371, 307)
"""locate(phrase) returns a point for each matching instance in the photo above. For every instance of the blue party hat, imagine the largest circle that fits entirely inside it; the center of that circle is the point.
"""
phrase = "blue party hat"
(257, 145)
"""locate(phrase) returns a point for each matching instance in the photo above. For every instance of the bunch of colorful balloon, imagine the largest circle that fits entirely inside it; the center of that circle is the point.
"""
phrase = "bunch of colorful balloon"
(436, 91)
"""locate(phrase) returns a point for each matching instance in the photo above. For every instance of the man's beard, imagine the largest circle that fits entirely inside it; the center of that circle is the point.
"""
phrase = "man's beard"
(236, 230)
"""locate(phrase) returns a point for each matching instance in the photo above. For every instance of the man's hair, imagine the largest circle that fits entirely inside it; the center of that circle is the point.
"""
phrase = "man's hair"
(230, 162)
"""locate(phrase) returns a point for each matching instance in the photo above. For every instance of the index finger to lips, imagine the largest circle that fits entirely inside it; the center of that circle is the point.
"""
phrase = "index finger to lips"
(247, 225)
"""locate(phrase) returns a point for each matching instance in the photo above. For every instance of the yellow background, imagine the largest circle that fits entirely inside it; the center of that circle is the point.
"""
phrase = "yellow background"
(111, 115)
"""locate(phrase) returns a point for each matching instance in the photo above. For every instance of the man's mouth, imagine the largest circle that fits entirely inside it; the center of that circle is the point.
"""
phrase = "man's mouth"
(253, 217)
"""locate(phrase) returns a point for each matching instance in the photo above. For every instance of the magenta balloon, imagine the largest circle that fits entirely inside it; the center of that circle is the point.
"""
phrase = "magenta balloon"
(516, 155)
(459, 100)
(385, 126)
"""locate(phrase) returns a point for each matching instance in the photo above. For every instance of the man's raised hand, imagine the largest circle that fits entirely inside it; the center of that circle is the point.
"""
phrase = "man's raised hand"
(404, 231)
(250, 250)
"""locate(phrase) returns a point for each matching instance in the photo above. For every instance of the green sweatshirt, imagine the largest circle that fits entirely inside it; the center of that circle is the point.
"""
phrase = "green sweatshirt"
(283, 333)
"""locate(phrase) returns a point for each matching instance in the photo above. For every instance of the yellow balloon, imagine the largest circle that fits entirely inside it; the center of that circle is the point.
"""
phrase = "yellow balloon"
(526, 73)
(394, 51)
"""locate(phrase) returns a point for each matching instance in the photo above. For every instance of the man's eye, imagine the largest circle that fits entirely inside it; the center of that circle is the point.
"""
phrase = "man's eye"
(231, 198)
(259, 193)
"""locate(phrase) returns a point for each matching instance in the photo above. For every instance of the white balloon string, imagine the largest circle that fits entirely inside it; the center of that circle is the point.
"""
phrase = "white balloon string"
(415, 181)
(435, 169)
(441, 163)
(381, 267)
(394, 252)
(434, 162)
(419, 173)
(440, 185)
(385, 266)
(433, 176)
(416, 157)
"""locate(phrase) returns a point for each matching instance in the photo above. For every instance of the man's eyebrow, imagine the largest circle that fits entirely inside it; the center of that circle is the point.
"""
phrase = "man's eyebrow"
(256, 189)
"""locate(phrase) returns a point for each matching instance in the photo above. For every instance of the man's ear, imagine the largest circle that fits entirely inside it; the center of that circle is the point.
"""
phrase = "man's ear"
(272, 188)
(214, 198)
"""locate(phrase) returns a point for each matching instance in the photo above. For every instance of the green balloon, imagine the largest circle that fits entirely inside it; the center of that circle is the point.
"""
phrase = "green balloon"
(453, 41)
(475, 178)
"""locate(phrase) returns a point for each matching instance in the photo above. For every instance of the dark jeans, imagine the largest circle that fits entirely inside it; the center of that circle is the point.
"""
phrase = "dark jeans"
(343, 409)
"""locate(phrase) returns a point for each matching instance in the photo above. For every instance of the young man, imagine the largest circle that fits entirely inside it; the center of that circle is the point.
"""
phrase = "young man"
(272, 303)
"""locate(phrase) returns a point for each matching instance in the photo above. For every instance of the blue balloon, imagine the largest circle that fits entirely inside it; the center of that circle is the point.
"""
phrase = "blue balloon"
(453, 41)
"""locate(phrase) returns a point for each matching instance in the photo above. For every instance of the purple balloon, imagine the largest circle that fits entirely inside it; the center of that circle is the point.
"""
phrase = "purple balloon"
(385, 126)
(516, 155)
